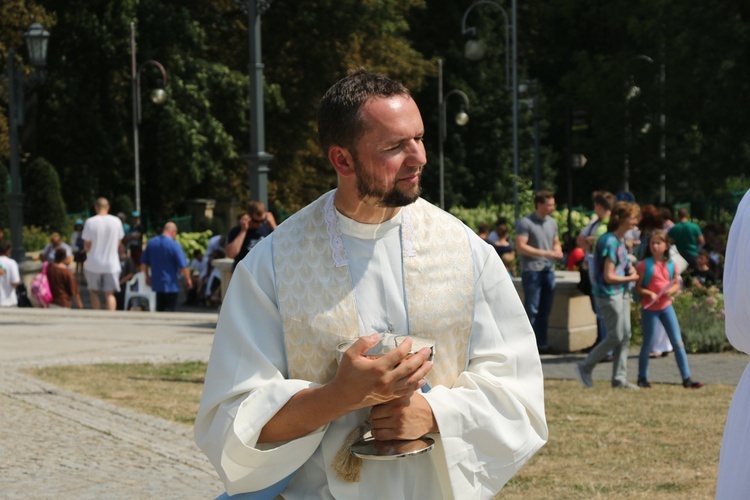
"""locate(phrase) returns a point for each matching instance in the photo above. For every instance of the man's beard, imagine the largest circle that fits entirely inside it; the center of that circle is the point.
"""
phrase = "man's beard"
(389, 198)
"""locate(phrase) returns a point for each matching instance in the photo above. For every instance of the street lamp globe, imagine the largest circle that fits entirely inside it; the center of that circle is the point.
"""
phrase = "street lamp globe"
(36, 43)
(462, 118)
(158, 96)
(474, 50)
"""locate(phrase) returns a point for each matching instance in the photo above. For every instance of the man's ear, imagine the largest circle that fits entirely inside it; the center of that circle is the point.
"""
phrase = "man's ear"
(342, 160)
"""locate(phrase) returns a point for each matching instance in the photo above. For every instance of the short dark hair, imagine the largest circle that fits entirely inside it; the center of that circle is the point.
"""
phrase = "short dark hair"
(60, 255)
(339, 118)
(542, 196)
(604, 199)
(4, 246)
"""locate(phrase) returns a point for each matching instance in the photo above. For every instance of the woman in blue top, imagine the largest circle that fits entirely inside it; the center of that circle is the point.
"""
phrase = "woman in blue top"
(612, 274)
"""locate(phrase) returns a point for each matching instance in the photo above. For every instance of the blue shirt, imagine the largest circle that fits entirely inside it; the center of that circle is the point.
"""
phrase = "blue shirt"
(608, 246)
(166, 258)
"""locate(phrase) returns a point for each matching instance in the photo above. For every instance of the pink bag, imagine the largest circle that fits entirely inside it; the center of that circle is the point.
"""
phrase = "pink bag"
(40, 290)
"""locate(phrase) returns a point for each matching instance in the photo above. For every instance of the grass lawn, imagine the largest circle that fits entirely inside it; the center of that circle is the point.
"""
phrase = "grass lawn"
(658, 443)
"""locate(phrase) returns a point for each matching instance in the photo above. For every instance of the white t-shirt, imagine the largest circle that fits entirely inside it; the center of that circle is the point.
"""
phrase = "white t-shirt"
(104, 232)
(10, 277)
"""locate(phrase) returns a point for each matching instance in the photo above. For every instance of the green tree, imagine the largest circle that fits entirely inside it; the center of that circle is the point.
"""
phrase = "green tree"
(43, 203)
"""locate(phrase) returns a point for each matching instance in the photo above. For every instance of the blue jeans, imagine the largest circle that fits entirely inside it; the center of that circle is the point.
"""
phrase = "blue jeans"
(668, 318)
(538, 292)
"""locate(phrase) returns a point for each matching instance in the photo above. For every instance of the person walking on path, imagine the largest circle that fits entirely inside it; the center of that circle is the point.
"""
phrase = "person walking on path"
(166, 259)
(368, 258)
(687, 238)
(62, 283)
(539, 246)
(612, 274)
(733, 479)
(101, 235)
(658, 281)
(10, 277)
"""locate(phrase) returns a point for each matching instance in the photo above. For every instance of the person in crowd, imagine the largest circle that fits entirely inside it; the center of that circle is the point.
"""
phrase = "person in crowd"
(539, 247)
(703, 276)
(55, 242)
(10, 277)
(493, 237)
(101, 235)
(79, 248)
(166, 259)
(215, 242)
(666, 215)
(687, 237)
(62, 283)
(198, 268)
(715, 247)
(603, 202)
(658, 281)
(483, 231)
(733, 480)
(134, 238)
(612, 273)
(125, 225)
(502, 243)
(127, 271)
(212, 288)
(253, 226)
(367, 258)
(652, 220)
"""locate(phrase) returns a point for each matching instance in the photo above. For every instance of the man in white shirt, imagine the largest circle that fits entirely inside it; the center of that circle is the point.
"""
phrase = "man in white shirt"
(368, 258)
(10, 277)
(101, 235)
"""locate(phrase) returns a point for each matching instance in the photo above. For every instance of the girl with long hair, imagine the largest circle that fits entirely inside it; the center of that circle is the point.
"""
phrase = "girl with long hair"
(657, 283)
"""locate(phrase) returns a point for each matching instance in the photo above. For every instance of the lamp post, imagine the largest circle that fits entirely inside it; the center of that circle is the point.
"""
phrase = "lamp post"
(631, 91)
(510, 27)
(36, 43)
(158, 96)
(258, 159)
(461, 119)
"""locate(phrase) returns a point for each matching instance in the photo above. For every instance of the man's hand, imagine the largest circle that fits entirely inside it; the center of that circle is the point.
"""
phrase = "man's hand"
(244, 223)
(408, 417)
(364, 381)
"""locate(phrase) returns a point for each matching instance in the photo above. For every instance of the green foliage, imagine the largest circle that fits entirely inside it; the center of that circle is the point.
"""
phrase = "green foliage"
(43, 203)
(701, 316)
(191, 242)
(34, 238)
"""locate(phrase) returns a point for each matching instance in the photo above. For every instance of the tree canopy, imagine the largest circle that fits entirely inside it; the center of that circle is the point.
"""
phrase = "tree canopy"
(689, 63)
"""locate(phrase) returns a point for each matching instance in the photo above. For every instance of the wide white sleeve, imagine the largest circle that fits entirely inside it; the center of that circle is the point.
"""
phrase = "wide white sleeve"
(492, 420)
(245, 384)
(736, 275)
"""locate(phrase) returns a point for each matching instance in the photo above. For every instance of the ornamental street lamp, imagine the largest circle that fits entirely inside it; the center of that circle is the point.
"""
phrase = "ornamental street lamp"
(158, 96)
(474, 51)
(461, 119)
(36, 43)
(258, 159)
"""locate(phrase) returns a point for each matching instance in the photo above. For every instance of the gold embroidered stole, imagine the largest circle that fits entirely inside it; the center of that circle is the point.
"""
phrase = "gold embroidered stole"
(316, 297)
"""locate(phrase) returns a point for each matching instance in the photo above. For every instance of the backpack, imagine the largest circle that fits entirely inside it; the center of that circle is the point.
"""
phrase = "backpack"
(648, 274)
(40, 290)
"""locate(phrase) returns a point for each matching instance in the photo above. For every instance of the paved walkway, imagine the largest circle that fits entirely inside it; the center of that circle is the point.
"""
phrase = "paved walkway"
(57, 444)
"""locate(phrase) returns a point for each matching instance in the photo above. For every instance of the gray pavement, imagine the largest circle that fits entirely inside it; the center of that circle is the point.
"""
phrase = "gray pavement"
(57, 444)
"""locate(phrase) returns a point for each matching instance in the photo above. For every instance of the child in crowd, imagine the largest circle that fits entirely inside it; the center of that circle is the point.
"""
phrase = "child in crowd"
(657, 283)
(62, 283)
(703, 276)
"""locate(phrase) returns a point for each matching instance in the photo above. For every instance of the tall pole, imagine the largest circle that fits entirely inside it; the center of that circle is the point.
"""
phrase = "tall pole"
(514, 23)
(15, 198)
(134, 87)
(258, 159)
(441, 133)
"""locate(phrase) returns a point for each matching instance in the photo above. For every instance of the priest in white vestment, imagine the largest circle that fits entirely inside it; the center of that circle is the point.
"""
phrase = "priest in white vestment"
(370, 258)
(734, 462)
